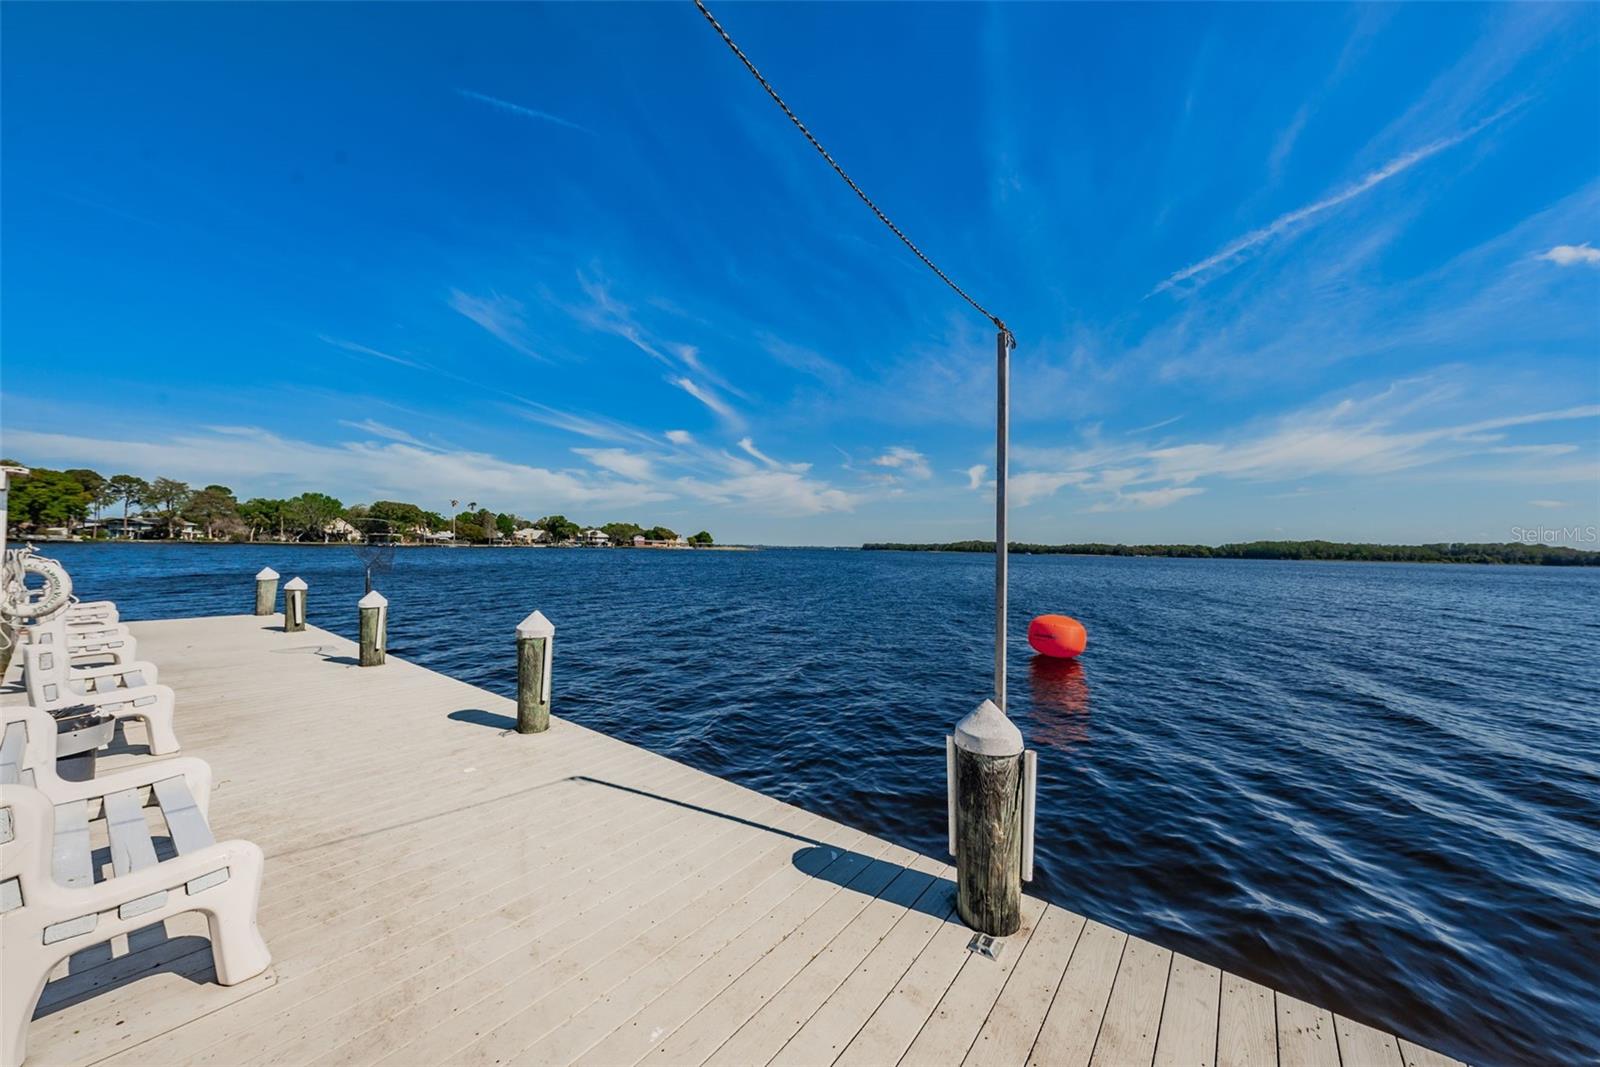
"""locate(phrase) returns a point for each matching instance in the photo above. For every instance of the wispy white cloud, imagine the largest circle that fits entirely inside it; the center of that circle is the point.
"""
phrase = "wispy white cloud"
(378, 429)
(749, 446)
(258, 461)
(907, 461)
(594, 427)
(1549, 503)
(1350, 438)
(1534, 450)
(351, 346)
(775, 491)
(707, 396)
(630, 465)
(1382, 432)
(1571, 255)
(762, 483)
(1146, 499)
(1030, 486)
(1225, 257)
(1156, 425)
(500, 315)
(525, 112)
(975, 475)
(688, 370)
(605, 313)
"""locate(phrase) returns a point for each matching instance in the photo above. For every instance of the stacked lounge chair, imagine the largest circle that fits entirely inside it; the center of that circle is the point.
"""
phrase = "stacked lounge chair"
(53, 901)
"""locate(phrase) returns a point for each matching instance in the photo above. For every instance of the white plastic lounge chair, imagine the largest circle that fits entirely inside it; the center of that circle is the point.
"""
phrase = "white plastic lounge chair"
(127, 692)
(51, 906)
(100, 640)
(91, 613)
(30, 744)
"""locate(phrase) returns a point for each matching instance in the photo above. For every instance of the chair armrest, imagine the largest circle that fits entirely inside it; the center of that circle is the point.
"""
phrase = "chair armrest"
(148, 672)
(57, 903)
(195, 772)
(139, 695)
(96, 634)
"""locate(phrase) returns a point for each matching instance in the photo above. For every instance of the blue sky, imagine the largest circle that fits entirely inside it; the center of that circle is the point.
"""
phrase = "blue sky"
(1275, 271)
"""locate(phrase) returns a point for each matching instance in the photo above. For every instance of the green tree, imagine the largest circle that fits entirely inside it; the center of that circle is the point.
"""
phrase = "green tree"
(486, 524)
(130, 490)
(560, 528)
(214, 508)
(260, 514)
(505, 524)
(93, 483)
(660, 533)
(701, 538)
(401, 520)
(622, 533)
(47, 498)
(310, 513)
(169, 496)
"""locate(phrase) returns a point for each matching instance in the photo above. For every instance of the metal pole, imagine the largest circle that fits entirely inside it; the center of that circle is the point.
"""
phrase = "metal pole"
(1002, 434)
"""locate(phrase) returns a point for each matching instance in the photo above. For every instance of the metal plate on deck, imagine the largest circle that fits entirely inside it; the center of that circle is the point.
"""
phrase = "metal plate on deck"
(986, 945)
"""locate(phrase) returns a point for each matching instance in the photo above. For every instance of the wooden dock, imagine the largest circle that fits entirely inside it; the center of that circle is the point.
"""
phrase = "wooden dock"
(440, 890)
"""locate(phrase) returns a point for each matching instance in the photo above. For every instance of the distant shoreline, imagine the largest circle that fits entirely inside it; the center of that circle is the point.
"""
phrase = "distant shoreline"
(180, 543)
(1332, 551)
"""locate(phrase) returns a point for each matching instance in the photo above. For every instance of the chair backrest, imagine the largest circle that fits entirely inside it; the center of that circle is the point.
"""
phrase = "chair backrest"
(56, 632)
(27, 818)
(27, 833)
(27, 744)
(47, 674)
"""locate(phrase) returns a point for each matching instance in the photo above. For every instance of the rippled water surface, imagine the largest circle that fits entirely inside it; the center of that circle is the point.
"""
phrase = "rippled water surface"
(1376, 786)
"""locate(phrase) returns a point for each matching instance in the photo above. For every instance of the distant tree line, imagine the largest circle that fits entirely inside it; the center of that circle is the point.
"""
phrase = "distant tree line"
(168, 509)
(1513, 552)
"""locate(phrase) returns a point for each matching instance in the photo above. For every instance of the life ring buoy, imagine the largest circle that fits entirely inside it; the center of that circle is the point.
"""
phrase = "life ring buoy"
(22, 603)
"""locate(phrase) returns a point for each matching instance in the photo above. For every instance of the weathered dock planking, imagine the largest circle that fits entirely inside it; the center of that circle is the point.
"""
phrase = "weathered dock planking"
(441, 889)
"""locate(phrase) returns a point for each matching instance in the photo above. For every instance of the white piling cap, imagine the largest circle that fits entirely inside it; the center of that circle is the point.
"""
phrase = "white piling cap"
(988, 732)
(536, 625)
(267, 575)
(294, 583)
(373, 599)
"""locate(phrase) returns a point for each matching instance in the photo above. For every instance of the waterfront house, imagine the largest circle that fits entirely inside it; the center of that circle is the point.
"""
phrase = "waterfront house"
(641, 541)
(596, 539)
(531, 535)
(340, 530)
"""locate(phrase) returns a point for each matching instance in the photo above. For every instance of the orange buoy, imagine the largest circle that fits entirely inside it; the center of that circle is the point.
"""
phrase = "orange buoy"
(1060, 636)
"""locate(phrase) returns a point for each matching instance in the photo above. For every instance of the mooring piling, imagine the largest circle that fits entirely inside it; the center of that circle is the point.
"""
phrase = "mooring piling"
(374, 616)
(294, 605)
(536, 637)
(990, 789)
(266, 590)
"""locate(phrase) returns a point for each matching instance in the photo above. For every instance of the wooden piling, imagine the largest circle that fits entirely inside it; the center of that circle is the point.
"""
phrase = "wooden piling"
(987, 803)
(374, 613)
(535, 643)
(266, 591)
(294, 605)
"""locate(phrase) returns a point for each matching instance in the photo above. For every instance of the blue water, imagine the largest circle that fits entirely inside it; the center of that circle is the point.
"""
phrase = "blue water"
(1375, 786)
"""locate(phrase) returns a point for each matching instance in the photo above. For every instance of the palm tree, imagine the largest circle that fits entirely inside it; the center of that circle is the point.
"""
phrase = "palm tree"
(453, 505)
